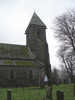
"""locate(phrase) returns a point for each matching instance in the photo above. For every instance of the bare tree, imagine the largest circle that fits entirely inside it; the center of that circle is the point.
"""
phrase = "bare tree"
(65, 32)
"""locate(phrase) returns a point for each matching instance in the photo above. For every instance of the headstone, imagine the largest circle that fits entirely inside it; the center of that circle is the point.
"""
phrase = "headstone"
(48, 92)
(9, 94)
(60, 95)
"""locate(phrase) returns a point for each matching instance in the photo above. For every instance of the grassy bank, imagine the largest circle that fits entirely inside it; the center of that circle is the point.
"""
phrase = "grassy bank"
(67, 89)
(37, 93)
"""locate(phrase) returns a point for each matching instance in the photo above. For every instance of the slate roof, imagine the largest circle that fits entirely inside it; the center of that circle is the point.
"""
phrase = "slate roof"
(12, 51)
(35, 20)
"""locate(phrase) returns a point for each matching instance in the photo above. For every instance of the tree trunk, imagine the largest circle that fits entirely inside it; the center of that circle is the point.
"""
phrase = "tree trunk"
(72, 81)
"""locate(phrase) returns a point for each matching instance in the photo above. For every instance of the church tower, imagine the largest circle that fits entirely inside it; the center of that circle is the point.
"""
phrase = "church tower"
(36, 39)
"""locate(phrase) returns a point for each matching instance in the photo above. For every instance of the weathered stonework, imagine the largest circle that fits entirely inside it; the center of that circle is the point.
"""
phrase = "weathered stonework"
(23, 65)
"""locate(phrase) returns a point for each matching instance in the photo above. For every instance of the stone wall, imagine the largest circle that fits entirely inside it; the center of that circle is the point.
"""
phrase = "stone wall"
(19, 76)
(36, 38)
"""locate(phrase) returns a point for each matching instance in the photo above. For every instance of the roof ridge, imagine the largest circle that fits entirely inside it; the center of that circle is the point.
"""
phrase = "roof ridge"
(11, 44)
(36, 20)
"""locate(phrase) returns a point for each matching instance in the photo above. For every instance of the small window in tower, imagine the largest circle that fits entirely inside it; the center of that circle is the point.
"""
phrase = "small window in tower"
(38, 33)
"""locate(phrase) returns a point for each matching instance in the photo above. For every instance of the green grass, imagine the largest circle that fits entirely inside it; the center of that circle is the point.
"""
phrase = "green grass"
(36, 93)
(67, 89)
(23, 93)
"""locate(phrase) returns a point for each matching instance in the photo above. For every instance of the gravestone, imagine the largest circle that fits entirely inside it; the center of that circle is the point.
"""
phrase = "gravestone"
(48, 92)
(9, 94)
(60, 95)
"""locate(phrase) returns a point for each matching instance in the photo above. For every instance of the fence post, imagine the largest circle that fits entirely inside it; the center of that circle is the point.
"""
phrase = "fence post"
(60, 95)
(9, 94)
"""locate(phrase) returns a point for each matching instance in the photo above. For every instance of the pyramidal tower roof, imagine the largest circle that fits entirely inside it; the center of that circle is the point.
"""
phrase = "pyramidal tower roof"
(36, 20)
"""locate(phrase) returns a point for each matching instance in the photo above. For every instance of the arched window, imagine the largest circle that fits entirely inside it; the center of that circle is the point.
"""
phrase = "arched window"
(11, 74)
(30, 75)
(25, 75)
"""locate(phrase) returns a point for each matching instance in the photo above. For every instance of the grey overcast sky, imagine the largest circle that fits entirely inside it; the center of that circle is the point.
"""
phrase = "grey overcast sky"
(16, 14)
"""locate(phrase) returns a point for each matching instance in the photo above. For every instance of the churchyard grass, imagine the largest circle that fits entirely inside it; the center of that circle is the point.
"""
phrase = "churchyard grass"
(31, 93)
(67, 89)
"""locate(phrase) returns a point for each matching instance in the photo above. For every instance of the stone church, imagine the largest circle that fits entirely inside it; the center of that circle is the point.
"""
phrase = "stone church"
(22, 65)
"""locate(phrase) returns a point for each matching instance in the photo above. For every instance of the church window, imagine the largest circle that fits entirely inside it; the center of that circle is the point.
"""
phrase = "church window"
(12, 74)
(25, 75)
(30, 75)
